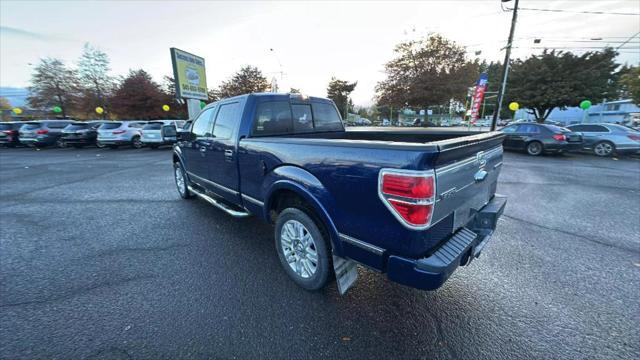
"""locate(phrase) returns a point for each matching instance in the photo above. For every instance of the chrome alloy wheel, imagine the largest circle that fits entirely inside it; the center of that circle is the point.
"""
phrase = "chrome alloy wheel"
(299, 248)
(180, 183)
(603, 149)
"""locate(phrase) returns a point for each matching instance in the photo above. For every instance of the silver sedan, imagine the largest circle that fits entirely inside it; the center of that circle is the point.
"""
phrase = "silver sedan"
(605, 139)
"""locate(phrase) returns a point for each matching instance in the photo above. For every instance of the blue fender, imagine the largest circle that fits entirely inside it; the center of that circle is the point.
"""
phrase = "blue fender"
(308, 187)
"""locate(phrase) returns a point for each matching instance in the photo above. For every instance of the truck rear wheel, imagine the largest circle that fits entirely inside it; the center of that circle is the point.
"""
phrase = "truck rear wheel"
(303, 249)
(181, 181)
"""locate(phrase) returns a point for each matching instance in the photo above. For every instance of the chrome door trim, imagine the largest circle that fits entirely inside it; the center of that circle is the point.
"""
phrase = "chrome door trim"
(253, 200)
(221, 187)
(361, 244)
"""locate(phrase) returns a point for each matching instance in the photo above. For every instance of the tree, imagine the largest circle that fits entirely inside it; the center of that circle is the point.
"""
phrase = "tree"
(552, 80)
(339, 91)
(4, 103)
(294, 91)
(429, 71)
(53, 84)
(138, 97)
(95, 82)
(248, 80)
(628, 83)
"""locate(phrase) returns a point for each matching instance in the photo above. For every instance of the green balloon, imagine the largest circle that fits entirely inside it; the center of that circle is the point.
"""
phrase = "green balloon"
(202, 104)
(585, 104)
(57, 109)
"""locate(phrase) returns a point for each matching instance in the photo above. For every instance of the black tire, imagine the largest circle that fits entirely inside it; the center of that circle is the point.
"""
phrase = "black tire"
(136, 142)
(100, 145)
(323, 271)
(535, 148)
(61, 144)
(183, 189)
(604, 148)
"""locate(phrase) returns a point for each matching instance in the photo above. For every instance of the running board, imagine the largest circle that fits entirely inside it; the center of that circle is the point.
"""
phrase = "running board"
(218, 204)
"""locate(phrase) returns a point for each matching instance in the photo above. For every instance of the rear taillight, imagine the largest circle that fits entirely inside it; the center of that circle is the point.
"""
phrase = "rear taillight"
(559, 137)
(9, 132)
(409, 195)
(42, 131)
(118, 132)
(634, 137)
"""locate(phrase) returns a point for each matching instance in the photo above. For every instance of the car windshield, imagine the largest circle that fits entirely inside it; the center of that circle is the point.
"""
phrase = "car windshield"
(153, 126)
(110, 126)
(77, 126)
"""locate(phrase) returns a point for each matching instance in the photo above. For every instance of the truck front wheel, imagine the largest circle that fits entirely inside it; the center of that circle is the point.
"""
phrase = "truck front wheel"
(302, 249)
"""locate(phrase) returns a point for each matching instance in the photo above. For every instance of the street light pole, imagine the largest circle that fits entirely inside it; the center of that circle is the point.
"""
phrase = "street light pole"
(505, 66)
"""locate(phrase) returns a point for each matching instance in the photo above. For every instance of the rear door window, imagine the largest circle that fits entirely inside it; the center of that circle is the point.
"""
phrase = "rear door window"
(227, 117)
(509, 129)
(528, 129)
(326, 117)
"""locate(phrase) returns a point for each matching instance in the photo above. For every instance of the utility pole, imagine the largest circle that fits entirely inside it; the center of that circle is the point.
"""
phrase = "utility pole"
(505, 65)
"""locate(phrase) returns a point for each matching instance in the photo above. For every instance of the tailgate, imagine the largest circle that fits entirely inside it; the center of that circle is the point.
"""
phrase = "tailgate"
(466, 172)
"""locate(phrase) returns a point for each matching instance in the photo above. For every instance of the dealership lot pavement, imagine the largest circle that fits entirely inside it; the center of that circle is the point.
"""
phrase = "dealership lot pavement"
(101, 259)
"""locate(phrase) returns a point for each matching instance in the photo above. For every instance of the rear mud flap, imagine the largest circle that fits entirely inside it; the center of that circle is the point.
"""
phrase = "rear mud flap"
(346, 273)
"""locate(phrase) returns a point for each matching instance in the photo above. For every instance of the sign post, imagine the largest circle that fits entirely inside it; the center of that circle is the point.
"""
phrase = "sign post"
(190, 79)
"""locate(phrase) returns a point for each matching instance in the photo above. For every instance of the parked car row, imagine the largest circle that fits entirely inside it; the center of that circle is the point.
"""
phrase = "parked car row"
(100, 133)
(601, 139)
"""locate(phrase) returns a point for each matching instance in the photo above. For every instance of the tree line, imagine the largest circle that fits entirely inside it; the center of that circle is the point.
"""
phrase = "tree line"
(431, 71)
(78, 91)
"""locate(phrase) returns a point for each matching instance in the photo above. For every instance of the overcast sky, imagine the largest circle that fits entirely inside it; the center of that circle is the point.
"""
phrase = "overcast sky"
(311, 41)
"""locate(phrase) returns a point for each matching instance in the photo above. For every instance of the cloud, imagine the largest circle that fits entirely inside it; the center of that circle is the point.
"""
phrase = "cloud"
(11, 31)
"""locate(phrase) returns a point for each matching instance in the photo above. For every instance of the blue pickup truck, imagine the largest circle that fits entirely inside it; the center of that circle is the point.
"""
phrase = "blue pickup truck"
(412, 203)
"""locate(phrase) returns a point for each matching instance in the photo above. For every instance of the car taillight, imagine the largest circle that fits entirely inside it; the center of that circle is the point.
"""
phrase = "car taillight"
(559, 137)
(117, 132)
(9, 132)
(634, 137)
(42, 131)
(409, 195)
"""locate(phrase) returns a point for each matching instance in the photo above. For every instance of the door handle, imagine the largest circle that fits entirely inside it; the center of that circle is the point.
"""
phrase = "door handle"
(203, 149)
(228, 153)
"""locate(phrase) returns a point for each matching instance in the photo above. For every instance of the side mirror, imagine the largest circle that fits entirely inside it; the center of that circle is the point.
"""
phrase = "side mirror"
(184, 135)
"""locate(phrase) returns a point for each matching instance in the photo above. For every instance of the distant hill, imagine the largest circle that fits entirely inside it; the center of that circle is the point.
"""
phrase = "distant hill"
(16, 96)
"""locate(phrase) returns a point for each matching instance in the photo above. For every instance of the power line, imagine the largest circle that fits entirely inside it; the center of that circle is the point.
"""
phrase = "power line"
(629, 39)
(578, 12)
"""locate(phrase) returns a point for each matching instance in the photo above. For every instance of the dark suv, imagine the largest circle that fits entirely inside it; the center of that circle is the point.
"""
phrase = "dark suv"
(42, 132)
(79, 134)
(9, 133)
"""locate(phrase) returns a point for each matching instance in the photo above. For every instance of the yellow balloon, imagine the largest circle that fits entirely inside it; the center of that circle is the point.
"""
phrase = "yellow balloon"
(99, 110)
(514, 106)
(17, 111)
(165, 107)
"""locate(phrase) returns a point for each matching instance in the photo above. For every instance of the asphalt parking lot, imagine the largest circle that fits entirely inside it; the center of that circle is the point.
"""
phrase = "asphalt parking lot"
(101, 259)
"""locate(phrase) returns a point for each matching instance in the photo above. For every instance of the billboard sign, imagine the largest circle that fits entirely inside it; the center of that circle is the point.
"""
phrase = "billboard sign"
(478, 96)
(189, 74)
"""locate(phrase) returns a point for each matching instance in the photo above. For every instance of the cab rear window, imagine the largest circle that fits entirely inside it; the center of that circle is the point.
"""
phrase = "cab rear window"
(282, 117)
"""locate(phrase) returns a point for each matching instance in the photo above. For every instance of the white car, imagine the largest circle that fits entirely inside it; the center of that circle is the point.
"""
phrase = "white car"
(155, 134)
